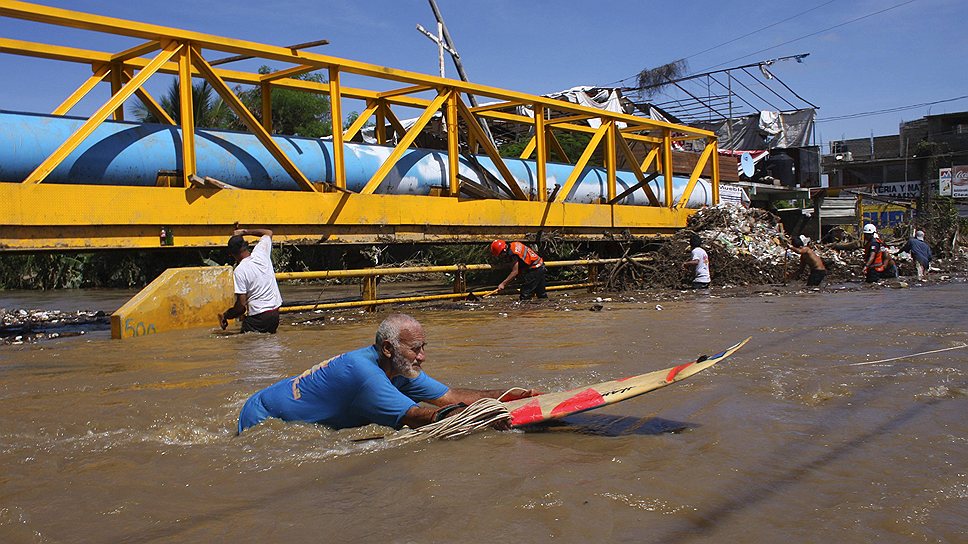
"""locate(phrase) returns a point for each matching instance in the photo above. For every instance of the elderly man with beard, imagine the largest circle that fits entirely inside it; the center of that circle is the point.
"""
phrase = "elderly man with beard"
(383, 384)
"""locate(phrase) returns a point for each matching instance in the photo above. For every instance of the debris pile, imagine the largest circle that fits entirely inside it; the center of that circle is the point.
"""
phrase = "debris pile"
(744, 247)
(747, 247)
(24, 326)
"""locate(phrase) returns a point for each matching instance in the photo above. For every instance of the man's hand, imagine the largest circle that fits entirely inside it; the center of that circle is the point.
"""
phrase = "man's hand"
(500, 286)
(238, 232)
(518, 393)
(222, 321)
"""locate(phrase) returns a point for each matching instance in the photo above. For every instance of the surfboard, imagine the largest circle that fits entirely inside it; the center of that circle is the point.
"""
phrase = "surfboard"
(548, 406)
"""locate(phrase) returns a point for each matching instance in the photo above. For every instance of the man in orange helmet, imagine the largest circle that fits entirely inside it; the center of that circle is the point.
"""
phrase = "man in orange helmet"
(525, 259)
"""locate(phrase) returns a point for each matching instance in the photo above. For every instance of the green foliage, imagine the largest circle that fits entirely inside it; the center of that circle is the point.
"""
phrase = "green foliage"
(296, 113)
(102, 269)
(210, 110)
(572, 143)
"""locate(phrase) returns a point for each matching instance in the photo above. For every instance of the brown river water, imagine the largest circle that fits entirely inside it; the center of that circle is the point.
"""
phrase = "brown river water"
(134, 441)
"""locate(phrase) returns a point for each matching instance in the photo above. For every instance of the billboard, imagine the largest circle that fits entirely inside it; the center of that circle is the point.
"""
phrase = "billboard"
(944, 182)
(886, 217)
(959, 181)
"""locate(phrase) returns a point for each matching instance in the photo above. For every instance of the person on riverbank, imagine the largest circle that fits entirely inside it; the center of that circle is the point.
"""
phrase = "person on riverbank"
(808, 259)
(382, 383)
(878, 263)
(699, 261)
(257, 294)
(525, 259)
(921, 253)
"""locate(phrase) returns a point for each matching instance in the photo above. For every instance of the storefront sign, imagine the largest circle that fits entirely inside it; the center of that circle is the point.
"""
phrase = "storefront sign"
(904, 190)
(731, 194)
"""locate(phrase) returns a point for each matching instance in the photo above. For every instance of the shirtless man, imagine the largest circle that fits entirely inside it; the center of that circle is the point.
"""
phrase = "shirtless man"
(808, 258)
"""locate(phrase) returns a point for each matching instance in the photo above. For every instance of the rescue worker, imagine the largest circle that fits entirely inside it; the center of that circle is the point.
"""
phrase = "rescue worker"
(525, 259)
(878, 263)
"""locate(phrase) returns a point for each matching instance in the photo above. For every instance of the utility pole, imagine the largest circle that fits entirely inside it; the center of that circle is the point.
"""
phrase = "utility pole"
(449, 43)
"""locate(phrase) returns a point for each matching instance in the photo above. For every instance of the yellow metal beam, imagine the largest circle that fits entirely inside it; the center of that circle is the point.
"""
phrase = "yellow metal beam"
(81, 92)
(360, 121)
(570, 119)
(47, 217)
(404, 143)
(250, 121)
(85, 130)
(580, 165)
(336, 117)
(187, 115)
(529, 149)
(406, 90)
(711, 142)
(562, 156)
(497, 106)
(287, 73)
(137, 51)
(149, 102)
(667, 166)
(630, 157)
(694, 177)
(611, 164)
(541, 143)
(481, 139)
(116, 82)
(453, 145)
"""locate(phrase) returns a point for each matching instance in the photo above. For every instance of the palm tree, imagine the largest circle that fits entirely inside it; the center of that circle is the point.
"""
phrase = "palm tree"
(210, 110)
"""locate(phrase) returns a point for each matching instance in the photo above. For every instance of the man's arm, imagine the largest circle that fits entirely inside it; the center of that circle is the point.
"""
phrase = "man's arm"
(241, 300)
(455, 395)
(252, 232)
(418, 416)
(511, 276)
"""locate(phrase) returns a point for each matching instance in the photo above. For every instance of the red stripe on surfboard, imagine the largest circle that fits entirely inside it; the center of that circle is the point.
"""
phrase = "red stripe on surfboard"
(529, 413)
(675, 372)
(588, 398)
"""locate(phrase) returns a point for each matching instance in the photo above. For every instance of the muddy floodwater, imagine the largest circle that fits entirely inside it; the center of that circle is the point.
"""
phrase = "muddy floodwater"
(134, 441)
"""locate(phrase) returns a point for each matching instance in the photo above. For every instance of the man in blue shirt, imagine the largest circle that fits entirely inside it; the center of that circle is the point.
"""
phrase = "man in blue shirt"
(383, 384)
(921, 253)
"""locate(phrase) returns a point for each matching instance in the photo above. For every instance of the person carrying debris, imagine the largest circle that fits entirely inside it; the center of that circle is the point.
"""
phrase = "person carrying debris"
(525, 259)
(921, 253)
(700, 260)
(808, 258)
(382, 383)
(257, 294)
(878, 263)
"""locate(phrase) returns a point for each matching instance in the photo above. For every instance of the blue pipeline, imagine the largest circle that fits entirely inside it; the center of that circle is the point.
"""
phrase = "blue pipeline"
(123, 153)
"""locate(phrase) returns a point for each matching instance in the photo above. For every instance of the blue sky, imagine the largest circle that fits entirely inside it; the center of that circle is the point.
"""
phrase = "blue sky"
(914, 53)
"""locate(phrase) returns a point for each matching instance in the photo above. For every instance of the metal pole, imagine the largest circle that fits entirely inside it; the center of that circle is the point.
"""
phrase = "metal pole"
(440, 48)
(457, 63)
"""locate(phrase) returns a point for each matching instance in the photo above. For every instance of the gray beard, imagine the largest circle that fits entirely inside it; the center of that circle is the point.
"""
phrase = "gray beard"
(403, 367)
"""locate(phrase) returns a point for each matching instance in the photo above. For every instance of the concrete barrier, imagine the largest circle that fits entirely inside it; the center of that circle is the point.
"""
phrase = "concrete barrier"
(179, 298)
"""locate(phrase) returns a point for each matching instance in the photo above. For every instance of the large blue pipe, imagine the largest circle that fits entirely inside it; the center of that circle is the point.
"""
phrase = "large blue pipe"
(123, 153)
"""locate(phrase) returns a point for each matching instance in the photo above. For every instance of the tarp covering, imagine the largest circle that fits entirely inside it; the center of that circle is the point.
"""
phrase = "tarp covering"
(765, 130)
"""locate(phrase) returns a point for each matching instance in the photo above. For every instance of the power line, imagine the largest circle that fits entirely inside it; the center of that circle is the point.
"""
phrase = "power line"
(814, 33)
(889, 110)
(748, 34)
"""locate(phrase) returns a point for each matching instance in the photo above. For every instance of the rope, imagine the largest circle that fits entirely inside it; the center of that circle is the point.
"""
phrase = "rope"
(478, 415)
(908, 356)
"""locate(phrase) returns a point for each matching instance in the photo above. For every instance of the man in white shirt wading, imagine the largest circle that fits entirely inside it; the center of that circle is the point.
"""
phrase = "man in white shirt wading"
(699, 259)
(256, 291)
